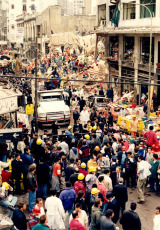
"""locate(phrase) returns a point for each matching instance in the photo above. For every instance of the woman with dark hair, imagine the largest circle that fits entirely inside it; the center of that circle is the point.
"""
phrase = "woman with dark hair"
(80, 199)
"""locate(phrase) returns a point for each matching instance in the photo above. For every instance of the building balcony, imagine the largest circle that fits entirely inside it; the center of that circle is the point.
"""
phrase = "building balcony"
(145, 67)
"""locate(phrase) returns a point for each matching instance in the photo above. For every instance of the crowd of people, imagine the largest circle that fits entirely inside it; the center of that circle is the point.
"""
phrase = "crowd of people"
(84, 171)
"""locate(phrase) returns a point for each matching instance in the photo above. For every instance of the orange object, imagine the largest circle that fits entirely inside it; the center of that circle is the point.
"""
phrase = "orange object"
(97, 148)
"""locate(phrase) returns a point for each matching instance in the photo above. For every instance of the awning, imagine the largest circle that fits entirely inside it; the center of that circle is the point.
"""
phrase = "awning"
(116, 31)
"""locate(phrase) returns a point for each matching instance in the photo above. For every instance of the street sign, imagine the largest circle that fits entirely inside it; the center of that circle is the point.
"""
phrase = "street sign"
(10, 135)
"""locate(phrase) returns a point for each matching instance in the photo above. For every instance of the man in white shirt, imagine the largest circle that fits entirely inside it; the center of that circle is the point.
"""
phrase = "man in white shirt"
(156, 219)
(143, 172)
(64, 146)
(84, 116)
(55, 211)
(115, 145)
(82, 216)
(107, 180)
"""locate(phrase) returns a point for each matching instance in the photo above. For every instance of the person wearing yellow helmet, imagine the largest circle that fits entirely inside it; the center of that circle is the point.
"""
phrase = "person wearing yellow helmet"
(87, 137)
(92, 163)
(91, 178)
(83, 169)
(39, 141)
(79, 185)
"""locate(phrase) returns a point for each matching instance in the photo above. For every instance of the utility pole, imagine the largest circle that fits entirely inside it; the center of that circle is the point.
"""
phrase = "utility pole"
(36, 99)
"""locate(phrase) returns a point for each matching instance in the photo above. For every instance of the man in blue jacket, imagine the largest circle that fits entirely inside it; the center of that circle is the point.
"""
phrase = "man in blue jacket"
(27, 160)
(68, 197)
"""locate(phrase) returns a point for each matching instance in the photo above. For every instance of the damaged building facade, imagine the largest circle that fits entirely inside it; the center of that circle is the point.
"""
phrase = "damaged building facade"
(127, 45)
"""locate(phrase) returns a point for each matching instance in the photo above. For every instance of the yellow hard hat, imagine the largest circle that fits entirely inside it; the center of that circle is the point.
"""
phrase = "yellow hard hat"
(158, 122)
(134, 116)
(39, 141)
(94, 191)
(125, 106)
(80, 176)
(83, 165)
(69, 127)
(87, 136)
(6, 185)
(94, 127)
(92, 169)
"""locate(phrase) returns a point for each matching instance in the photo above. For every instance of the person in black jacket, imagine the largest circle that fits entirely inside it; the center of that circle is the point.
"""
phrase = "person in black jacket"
(106, 222)
(17, 170)
(93, 114)
(77, 127)
(76, 115)
(32, 185)
(130, 219)
(121, 194)
(113, 204)
(115, 176)
(130, 166)
(19, 218)
(101, 92)
(69, 170)
(110, 93)
(82, 103)
(42, 172)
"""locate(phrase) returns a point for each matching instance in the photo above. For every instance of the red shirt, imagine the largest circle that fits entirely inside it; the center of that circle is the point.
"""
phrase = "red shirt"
(6, 176)
(101, 187)
(151, 137)
(85, 173)
(78, 185)
(75, 224)
(57, 169)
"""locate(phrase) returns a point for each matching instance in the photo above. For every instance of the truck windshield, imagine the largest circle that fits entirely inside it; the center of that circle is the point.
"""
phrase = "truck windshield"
(100, 100)
(52, 98)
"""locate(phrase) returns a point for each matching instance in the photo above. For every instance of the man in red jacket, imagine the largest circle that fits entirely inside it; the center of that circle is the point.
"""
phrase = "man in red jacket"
(78, 185)
(151, 137)
(75, 224)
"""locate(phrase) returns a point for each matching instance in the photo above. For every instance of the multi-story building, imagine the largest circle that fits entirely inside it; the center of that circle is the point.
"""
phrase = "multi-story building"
(23, 7)
(127, 46)
(3, 22)
(67, 7)
(79, 7)
(90, 7)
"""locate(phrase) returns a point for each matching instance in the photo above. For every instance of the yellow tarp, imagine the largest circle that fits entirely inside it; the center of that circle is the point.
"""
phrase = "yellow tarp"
(124, 123)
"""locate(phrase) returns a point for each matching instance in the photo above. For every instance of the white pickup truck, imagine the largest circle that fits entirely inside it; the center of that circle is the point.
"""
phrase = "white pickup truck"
(52, 107)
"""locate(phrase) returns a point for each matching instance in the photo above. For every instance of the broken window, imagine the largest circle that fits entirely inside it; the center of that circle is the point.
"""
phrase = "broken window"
(129, 48)
(129, 11)
(113, 46)
(151, 5)
(145, 50)
(101, 13)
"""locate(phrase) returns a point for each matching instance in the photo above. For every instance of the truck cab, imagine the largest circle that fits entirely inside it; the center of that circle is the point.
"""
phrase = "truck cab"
(52, 107)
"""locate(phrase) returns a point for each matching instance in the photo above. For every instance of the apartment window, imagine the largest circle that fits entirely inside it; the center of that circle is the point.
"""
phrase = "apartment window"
(24, 7)
(129, 11)
(111, 11)
(151, 5)
(12, 6)
(145, 50)
(128, 48)
(32, 7)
